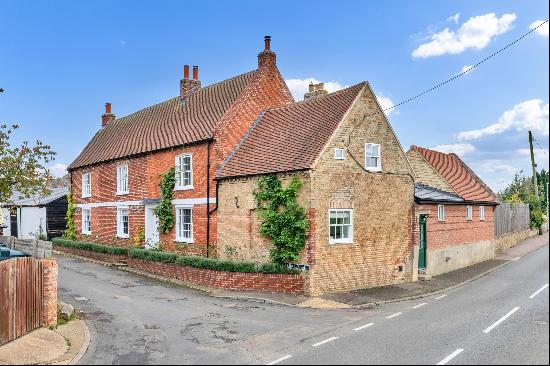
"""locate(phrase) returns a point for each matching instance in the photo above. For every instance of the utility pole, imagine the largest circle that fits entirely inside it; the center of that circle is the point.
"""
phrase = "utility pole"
(534, 166)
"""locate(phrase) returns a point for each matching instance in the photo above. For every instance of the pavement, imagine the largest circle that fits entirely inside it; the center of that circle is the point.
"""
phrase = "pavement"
(61, 346)
(399, 292)
(139, 320)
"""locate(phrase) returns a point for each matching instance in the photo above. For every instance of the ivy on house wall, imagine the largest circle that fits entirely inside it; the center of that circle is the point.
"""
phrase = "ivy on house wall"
(284, 221)
(70, 228)
(164, 211)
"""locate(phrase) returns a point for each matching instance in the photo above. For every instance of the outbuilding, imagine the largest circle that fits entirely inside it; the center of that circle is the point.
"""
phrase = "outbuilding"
(35, 217)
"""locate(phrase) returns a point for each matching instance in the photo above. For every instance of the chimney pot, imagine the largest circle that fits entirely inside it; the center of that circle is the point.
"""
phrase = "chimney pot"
(315, 91)
(195, 73)
(186, 71)
(108, 116)
(267, 41)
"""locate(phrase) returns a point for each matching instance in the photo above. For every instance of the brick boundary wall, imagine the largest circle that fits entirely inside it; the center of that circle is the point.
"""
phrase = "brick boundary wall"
(226, 280)
(104, 257)
(49, 292)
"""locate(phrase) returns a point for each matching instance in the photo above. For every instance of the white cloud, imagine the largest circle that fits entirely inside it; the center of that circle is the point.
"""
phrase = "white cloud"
(454, 18)
(465, 68)
(298, 87)
(528, 115)
(475, 33)
(58, 169)
(541, 31)
(385, 102)
(537, 151)
(459, 149)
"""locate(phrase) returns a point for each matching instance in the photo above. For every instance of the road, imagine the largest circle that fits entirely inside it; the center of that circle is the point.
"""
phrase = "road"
(501, 318)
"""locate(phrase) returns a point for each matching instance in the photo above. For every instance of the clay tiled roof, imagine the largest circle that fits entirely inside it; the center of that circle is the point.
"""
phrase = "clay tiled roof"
(289, 138)
(164, 125)
(459, 176)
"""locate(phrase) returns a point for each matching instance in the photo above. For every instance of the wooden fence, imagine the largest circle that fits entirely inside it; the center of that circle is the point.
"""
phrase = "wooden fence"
(511, 218)
(28, 288)
(36, 248)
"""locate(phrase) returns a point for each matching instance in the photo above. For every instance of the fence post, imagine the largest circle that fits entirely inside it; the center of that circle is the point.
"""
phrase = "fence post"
(49, 292)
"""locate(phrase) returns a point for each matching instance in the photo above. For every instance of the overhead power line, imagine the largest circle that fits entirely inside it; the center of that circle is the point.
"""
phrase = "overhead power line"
(450, 79)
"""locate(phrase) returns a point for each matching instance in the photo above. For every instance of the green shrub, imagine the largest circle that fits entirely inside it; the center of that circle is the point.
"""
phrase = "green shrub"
(93, 247)
(153, 255)
(216, 264)
(273, 268)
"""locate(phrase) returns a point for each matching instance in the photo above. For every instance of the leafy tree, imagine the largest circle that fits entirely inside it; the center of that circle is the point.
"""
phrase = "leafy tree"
(22, 167)
(284, 221)
(522, 191)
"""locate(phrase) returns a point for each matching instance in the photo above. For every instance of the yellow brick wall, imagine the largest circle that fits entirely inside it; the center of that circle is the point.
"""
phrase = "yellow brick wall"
(425, 173)
(238, 223)
(382, 203)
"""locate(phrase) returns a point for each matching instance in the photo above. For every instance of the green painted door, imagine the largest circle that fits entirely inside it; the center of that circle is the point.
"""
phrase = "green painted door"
(423, 242)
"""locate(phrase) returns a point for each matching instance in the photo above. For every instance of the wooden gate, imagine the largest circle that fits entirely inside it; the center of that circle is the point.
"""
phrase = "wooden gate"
(20, 297)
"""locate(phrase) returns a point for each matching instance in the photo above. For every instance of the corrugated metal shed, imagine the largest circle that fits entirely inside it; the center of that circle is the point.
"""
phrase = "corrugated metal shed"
(37, 200)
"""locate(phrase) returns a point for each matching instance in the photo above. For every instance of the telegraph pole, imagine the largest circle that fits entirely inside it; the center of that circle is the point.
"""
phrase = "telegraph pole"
(534, 172)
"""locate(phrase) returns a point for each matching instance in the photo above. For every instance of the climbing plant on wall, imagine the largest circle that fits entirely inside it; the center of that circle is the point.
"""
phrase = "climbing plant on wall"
(284, 221)
(164, 211)
(70, 228)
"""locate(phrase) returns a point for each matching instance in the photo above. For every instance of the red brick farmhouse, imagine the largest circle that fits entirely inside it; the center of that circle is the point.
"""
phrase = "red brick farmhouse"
(115, 181)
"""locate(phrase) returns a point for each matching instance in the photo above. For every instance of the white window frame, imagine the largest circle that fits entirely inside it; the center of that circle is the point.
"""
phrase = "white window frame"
(87, 188)
(86, 211)
(122, 185)
(119, 224)
(469, 213)
(481, 213)
(441, 212)
(179, 175)
(336, 151)
(179, 238)
(378, 167)
(343, 240)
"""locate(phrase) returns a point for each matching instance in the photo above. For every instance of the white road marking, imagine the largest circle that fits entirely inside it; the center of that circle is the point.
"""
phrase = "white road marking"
(538, 291)
(440, 297)
(393, 315)
(495, 324)
(419, 305)
(364, 326)
(450, 357)
(515, 259)
(279, 360)
(325, 341)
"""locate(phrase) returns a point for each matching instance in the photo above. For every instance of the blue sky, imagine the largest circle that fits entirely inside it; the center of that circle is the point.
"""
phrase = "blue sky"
(60, 62)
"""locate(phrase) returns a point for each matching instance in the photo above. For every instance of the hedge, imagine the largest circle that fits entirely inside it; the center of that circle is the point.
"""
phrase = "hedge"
(93, 247)
(210, 263)
(168, 257)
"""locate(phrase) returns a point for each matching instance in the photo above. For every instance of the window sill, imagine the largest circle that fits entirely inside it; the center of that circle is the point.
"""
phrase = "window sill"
(126, 236)
(184, 241)
(184, 188)
(87, 234)
(374, 170)
(337, 242)
(122, 193)
(86, 196)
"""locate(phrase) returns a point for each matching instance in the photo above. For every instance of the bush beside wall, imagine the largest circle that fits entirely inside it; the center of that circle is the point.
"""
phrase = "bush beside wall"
(93, 247)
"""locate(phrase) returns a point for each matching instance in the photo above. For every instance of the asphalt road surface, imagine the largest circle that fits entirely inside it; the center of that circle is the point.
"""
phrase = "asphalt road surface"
(501, 318)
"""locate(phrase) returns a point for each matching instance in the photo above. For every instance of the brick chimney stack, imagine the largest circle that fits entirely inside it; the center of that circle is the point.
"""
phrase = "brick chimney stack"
(315, 91)
(267, 58)
(188, 86)
(107, 117)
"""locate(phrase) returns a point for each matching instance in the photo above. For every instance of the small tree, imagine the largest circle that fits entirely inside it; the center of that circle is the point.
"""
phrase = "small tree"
(284, 221)
(22, 168)
(70, 228)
